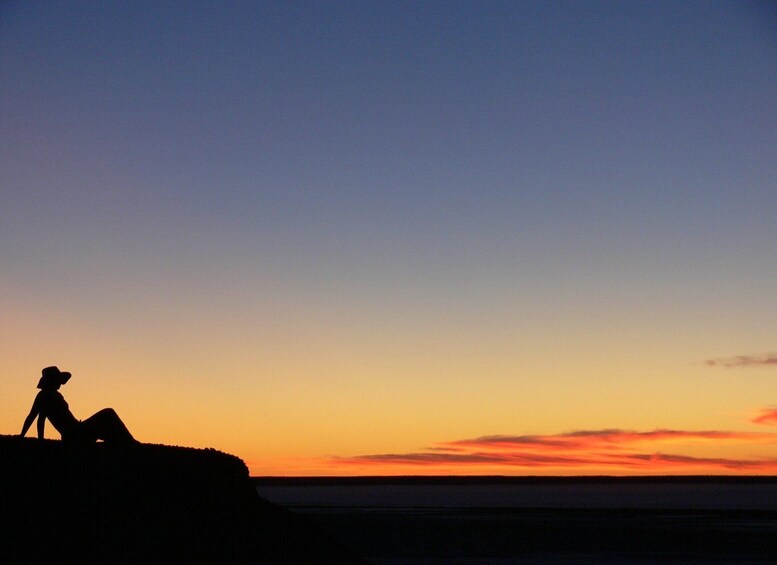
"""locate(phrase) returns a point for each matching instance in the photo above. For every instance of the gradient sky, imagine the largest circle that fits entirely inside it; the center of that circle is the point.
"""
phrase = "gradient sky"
(398, 237)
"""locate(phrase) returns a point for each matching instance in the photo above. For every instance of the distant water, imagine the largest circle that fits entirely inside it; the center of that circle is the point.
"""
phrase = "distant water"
(720, 496)
(503, 521)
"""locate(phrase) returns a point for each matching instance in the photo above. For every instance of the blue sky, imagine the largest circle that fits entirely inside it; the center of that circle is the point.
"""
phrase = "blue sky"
(461, 124)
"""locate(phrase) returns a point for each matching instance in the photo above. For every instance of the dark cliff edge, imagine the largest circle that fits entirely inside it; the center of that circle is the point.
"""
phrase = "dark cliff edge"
(144, 504)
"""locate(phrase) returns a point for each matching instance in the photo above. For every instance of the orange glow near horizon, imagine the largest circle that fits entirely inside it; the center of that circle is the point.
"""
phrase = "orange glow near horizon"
(598, 452)
(298, 431)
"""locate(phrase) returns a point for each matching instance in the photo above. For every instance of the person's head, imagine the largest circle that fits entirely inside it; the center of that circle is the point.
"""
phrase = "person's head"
(52, 378)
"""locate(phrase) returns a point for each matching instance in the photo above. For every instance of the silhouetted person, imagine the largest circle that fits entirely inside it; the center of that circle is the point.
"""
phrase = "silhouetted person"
(105, 425)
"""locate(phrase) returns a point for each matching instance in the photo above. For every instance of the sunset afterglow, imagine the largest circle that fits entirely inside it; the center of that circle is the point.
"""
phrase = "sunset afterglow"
(339, 238)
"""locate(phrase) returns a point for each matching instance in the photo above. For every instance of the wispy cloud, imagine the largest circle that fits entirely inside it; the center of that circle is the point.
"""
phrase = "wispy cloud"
(744, 361)
(600, 451)
(767, 416)
(608, 439)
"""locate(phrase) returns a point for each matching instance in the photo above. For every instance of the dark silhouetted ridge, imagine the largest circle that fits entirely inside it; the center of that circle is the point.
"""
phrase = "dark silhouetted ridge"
(144, 504)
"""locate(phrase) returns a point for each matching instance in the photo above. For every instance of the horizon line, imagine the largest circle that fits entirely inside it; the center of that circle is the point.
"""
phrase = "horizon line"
(485, 479)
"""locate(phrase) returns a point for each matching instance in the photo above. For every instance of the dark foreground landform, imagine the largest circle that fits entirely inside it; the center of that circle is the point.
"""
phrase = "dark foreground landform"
(608, 520)
(144, 504)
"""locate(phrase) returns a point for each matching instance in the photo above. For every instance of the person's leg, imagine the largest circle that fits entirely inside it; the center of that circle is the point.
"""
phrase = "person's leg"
(107, 426)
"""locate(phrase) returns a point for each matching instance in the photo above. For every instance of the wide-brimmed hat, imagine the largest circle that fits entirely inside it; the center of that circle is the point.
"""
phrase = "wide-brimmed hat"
(52, 376)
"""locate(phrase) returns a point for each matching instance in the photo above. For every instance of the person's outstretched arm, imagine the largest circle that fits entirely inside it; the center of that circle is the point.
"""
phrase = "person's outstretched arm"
(35, 411)
(41, 423)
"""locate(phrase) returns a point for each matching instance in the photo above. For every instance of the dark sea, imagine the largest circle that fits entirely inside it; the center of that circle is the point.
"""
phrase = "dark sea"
(502, 520)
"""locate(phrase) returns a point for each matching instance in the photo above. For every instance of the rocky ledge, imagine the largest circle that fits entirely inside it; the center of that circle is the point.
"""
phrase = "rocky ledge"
(144, 504)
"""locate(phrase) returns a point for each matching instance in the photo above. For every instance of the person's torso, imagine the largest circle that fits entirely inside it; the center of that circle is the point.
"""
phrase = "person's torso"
(58, 412)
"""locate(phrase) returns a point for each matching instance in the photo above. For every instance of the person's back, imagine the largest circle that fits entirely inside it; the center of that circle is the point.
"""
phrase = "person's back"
(54, 407)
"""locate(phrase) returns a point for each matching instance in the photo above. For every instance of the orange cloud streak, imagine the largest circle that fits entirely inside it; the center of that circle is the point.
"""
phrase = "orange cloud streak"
(767, 417)
(601, 451)
(614, 439)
